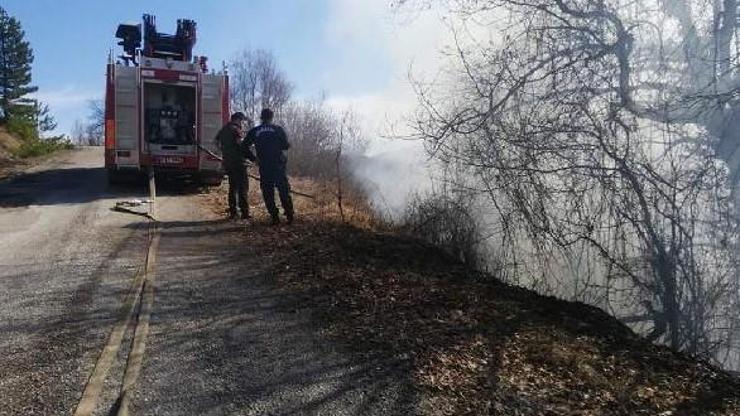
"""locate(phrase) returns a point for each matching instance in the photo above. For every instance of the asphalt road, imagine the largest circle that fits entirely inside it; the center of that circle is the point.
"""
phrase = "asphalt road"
(65, 262)
(222, 340)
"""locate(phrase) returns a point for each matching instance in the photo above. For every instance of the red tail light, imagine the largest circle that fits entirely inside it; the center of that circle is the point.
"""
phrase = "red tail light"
(110, 123)
(110, 134)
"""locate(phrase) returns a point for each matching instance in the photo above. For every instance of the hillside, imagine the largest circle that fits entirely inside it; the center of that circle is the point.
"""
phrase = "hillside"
(18, 155)
(467, 343)
(8, 145)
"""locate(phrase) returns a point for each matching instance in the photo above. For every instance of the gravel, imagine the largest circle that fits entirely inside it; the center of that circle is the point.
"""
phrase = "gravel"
(222, 339)
(65, 263)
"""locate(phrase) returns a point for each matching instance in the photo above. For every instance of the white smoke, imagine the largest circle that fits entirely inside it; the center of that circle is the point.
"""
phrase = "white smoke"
(393, 169)
(393, 172)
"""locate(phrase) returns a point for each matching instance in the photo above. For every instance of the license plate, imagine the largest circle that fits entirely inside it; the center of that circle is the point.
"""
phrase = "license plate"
(169, 160)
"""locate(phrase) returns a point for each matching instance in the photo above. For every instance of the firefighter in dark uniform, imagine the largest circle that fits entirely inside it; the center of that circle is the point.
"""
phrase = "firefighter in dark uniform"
(270, 142)
(229, 140)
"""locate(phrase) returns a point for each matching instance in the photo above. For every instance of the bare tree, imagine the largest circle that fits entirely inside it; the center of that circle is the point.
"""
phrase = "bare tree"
(324, 143)
(311, 129)
(78, 132)
(91, 131)
(257, 82)
(317, 134)
(347, 139)
(96, 121)
(599, 125)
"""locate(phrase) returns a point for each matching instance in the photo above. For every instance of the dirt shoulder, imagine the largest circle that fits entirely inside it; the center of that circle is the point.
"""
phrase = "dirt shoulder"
(12, 167)
(226, 340)
(8, 145)
(468, 343)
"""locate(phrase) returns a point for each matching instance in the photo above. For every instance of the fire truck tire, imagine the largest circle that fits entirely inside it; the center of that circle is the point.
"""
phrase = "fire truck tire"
(116, 177)
(211, 179)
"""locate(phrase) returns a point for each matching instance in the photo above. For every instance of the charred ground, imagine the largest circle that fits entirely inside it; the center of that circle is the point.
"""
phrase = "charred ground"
(468, 343)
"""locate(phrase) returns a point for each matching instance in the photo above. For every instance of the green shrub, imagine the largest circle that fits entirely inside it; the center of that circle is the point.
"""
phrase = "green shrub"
(39, 147)
(31, 144)
(22, 127)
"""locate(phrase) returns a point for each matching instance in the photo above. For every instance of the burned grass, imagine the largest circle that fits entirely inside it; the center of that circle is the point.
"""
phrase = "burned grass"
(470, 344)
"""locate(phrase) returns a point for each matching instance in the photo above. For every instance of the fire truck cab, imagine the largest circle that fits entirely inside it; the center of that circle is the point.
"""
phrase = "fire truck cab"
(163, 108)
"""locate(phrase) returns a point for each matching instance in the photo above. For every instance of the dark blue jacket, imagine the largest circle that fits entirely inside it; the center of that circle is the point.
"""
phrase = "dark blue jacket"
(270, 141)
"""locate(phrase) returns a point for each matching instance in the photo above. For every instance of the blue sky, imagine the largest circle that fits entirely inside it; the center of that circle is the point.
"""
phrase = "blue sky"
(345, 49)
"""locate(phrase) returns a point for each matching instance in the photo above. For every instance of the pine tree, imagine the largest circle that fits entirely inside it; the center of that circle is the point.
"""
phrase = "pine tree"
(44, 119)
(16, 57)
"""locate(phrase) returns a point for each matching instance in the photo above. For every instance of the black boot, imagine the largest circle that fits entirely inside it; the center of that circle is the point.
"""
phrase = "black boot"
(289, 217)
(275, 219)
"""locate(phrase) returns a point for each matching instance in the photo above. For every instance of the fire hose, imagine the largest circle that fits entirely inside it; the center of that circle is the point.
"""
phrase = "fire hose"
(257, 178)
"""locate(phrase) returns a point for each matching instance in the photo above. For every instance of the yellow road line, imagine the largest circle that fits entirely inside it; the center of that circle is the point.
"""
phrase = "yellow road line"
(136, 356)
(141, 292)
(95, 383)
(138, 344)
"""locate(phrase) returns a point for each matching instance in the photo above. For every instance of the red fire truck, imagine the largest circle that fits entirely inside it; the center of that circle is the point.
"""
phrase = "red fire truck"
(163, 107)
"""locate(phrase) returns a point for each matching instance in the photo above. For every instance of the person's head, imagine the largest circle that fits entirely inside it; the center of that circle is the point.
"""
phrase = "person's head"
(238, 117)
(266, 115)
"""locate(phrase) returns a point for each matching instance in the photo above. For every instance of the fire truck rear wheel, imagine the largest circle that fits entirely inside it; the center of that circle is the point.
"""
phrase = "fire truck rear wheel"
(117, 177)
(211, 179)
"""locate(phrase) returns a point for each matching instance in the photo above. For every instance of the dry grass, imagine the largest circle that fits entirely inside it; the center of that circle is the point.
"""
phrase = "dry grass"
(321, 206)
(470, 344)
(9, 145)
